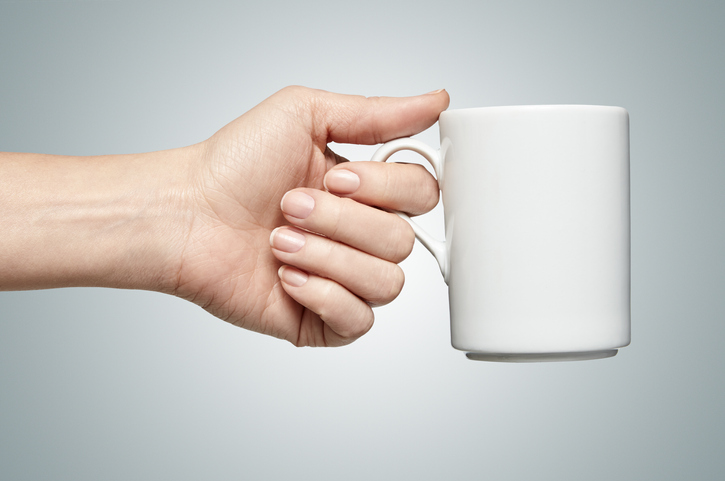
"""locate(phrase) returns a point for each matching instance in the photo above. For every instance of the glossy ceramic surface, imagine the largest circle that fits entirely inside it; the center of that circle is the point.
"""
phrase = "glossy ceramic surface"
(537, 249)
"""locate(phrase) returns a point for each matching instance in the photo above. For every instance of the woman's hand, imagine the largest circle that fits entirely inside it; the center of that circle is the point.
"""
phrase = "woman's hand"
(270, 178)
(197, 221)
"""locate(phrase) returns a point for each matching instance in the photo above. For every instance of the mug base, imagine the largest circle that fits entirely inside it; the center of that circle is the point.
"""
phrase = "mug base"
(541, 356)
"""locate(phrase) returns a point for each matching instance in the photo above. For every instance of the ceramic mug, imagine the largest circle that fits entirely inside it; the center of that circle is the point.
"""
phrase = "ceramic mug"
(537, 226)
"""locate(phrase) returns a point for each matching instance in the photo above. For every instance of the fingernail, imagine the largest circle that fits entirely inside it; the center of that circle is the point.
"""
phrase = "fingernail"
(435, 92)
(297, 204)
(341, 181)
(292, 276)
(286, 240)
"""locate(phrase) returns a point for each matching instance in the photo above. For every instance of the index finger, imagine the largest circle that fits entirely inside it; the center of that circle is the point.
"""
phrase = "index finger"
(406, 188)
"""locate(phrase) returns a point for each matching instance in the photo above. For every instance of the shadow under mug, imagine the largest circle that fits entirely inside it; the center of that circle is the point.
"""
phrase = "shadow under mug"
(537, 223)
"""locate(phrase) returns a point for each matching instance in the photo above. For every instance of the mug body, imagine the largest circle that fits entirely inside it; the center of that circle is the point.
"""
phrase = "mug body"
(536, 202)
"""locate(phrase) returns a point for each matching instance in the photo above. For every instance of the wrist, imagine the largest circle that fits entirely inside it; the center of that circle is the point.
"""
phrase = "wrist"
(155, 198)
(110, 221)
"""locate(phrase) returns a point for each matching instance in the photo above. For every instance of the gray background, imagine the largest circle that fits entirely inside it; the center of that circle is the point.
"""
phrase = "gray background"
(103, 384)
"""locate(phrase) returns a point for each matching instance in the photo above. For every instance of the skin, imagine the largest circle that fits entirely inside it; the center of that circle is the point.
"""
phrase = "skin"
(262, 224)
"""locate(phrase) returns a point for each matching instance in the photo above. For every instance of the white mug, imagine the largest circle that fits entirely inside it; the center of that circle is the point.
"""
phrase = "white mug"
(537, 248)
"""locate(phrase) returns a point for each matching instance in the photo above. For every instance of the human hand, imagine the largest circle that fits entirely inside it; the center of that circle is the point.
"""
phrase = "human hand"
(340, 252)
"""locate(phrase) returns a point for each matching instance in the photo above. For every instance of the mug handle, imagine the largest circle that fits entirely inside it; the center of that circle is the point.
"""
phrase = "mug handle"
(436, 247)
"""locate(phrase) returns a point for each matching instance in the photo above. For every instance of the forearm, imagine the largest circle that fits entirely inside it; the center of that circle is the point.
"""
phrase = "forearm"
(113, 221)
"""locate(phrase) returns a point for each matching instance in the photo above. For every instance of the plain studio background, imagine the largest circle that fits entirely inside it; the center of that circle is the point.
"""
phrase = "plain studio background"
(104, 384)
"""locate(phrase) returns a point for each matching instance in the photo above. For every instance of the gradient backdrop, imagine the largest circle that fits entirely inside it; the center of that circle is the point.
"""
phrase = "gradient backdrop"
(118, 385)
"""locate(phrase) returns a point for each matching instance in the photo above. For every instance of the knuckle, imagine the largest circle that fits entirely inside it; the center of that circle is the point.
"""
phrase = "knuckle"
(356, 329)
(409, 187)
(396, 281)
(356, 322)
(295, 91)
(390, 286)
(427, 191)
(400, 241)
(431, 194)
(294, 96)
(341, 211)
(332, 252)
(325, 302)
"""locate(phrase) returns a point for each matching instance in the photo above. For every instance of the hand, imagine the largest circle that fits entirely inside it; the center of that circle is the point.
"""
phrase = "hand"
(340, 252)
(196, 221)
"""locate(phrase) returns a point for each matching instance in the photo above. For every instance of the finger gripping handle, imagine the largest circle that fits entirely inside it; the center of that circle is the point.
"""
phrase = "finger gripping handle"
(436, 247)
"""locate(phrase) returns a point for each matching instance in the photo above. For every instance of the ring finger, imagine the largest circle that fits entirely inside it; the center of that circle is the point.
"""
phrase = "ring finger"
(371, 230)
(373, 279)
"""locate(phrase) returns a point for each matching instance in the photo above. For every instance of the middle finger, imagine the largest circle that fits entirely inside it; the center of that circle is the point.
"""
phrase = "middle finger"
(370, 278)
(368, 229)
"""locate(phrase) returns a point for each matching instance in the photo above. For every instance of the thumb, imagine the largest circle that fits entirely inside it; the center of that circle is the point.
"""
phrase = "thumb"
(373, 120)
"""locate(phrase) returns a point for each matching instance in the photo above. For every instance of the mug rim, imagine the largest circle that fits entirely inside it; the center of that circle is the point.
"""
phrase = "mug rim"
(534, 108)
